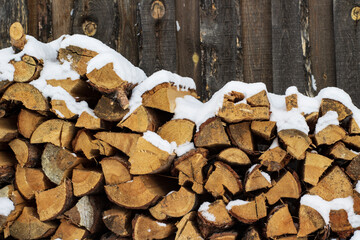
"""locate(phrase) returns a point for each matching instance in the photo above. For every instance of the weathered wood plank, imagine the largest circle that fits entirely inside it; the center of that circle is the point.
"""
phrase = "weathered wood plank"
(127, 40)
(257, 42)
(188, 40)
(287, 56)
(61, 17)
(97, 19)
(347, 47)
(158, 36)
(239, 45)
(322, 47)
(10, 12)
(218, 44)
(39, 24)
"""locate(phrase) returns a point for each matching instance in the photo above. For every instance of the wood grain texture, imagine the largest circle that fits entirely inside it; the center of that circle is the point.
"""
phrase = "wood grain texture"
(127, 39)
(10, 12)
(97, 19)
(188, 41)
(347, 48)
(158, 36)
(322, 46)
(257, 42)
(39, 24)
(287, 56)
(61, 17)
(218, 44)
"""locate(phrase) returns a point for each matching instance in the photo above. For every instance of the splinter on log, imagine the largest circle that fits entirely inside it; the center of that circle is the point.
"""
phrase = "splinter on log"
(146, 228)
(212, 135)
(275, 159)
(296, 142)
(234, 156)
(118, 220)
(280, 222)
(310, 221)
(26, 154)
(17, 36)
(187, 228)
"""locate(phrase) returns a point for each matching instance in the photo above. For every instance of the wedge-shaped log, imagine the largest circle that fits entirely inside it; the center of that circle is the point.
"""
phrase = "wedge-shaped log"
(26, 154)
(212, 135)
(141, 120)
(28, 121)
(178, 130)
(315, 166)
(341, 152)
(30, 180)
(88, 121)
(256, 179)
(339, 223)
(175, 204)
(53, 202)
(311, 120)
(310, 221)
(7, 163)
(264, 129)
(291, 102)
(77, 88)
(158, 230)
(86, 182)
(139, 193)
(149, 159)
(189, 168)
(353, 169)
(125, 142)
(288, 186)
(275, 159)
(68, 231)
(115, 170)
(28, 95)
(251, 234)
(187, 228)
(353, 127)
(280, 222)
(234, 113)
(213, 217)
(86, 213)
(234, 156)
(333, 105)
(60, 109)
(241, 136)
(27, 69)
(296, 142)
(8, 129)
(259, 99)
(55, 131)
(118, 220)
(352, 141)
(222, 180)
(330, 135)
(110, 110)
(334, 185)
(28, 226)
(248, 212)
(57, 162)
(17, 36)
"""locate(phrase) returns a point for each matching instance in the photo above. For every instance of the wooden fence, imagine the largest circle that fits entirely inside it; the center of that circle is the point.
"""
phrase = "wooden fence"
(311, 44)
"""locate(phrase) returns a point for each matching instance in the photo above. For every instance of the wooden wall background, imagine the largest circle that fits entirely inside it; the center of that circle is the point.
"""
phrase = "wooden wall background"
(278, 42)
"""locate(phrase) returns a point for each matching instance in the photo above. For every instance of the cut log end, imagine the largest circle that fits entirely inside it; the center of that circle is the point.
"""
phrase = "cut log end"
(17, 36)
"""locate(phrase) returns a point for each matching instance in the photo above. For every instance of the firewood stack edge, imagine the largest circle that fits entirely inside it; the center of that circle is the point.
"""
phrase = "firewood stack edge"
(92, 148)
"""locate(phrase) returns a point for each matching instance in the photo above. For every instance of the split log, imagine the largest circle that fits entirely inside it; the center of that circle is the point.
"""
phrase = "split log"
(275, 159)
(118, 220)
(311, 120)
(57, 163)
(139, 193)
(234, 113)
(334, 185)
(60, 109)
(141, 120)
(7, 163)
(189, 167)
(174, 204)
(86, 213)
(234, 156)
(8, 129)
(256, 179)
(77, 88)
(88, 121)
(125, 142)
(353, 169)
(28, 226)
(296, 142)
(28, 95)
(146, 228)
(212, 135)
(109, 110)
(53, 202)
(55, 131)
(115, 170)
(224, 236)
(187, 228)
(333, 105)
(213, 217)
(340, 151)
(340, 224)
(27, 69)
(28, 121)
(112, 236)
(315, 166)
(17, 36)
(234, 97)
(241, 136)
(310, 221)
(163, 97)
(264, 129)
(86, 182)
(178, 130)
(68, 231)
(288, 186)
(356, 205)
(259, 99)
(353, 127)
(329, 135)
(251, 234)
(222, 181)
(248, 212)
(291, 102)
(30, 180)
(26, 154)
(352, 141)
(280, 222)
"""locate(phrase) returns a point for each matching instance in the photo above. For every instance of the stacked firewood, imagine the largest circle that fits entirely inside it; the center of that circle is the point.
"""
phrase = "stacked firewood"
(119, 162)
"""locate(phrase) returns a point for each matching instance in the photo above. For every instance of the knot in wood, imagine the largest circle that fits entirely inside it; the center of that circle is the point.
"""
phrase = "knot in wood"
(355, 13)
(157, 10)
(89, 28)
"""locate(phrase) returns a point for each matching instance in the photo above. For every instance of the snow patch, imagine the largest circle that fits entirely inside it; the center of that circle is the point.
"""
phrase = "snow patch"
(184, 148)
(234, 203)
(177, 26)
(203, 209)
(266, 176)
(357, 187)
(274, 144)
(356, 235)
(6, 206)
(161, 224)
(330, 118)
(158, 142)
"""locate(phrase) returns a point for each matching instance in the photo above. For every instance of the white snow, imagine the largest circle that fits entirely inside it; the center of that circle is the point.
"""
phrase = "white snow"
(292, 119)
(274, 144)
(324, 207)
(158, 142)
(203, 209)
(170, 193)
(6, 69)
(177, 26)
(330, 118)
(184, 148)
(6, 206)
(161, 224)
(357, 187)
(266, 176)
(313, 82)
(149, 230)
(237, 202)
(252, 168)
(356, 235)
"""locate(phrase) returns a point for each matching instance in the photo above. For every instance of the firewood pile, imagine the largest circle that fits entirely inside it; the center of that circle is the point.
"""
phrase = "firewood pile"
(92, 148)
